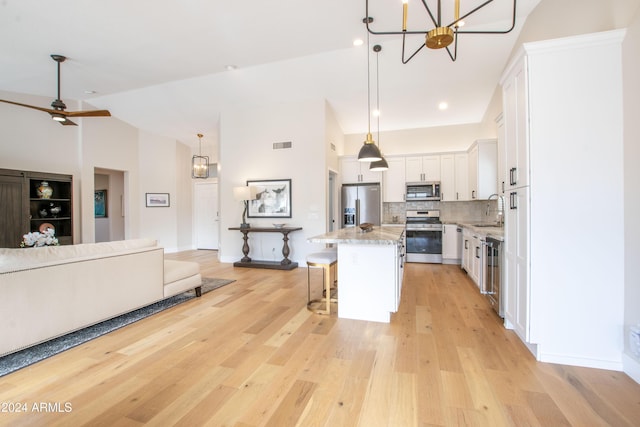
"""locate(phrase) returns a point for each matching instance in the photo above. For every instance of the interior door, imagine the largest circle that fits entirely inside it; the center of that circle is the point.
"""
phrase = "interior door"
(206, 215)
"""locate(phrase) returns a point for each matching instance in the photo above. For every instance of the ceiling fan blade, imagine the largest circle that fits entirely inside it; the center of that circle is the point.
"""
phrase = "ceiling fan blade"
(47, 110)
(90, 113)
(58, 112)
(68, 122)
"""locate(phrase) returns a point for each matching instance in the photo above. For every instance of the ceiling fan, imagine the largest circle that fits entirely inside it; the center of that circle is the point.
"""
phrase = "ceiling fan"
(57, 111)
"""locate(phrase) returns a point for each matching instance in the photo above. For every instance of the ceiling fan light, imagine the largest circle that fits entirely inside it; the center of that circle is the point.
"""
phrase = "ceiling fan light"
(58, 117)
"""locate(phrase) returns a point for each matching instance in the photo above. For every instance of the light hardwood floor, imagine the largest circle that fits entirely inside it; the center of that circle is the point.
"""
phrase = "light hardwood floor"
(250, 354)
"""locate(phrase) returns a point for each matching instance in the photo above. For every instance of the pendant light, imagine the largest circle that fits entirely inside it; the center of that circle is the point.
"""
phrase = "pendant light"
(200, 163)
(379, 165)
(369, 152)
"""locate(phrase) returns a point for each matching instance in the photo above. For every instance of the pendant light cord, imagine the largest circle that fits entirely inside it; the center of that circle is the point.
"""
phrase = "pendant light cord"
(378, 95)
(368, 85)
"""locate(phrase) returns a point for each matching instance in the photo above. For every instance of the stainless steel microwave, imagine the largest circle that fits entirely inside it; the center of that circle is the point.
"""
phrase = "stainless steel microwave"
(422, 191)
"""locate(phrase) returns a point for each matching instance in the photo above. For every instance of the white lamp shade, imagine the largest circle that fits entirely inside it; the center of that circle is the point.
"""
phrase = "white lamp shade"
(244, 193)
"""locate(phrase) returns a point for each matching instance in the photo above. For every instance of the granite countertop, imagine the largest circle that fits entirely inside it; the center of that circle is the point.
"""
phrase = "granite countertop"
(385, 235)
(488, 230)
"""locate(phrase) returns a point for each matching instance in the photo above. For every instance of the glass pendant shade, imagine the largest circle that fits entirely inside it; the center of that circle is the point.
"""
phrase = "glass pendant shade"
(369, 151)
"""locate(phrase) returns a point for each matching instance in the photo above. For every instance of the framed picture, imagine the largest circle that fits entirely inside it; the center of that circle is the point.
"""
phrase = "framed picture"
(157, 200)
(100, 203)
(273, 199)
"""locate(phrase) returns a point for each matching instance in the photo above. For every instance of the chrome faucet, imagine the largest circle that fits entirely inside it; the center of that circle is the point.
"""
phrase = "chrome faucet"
(500, 216)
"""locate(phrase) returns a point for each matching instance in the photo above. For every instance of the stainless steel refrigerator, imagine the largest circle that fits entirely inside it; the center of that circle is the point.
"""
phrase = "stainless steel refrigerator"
(360, 204)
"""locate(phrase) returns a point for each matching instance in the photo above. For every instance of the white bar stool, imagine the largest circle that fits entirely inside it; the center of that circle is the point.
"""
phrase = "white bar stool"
(325, 259)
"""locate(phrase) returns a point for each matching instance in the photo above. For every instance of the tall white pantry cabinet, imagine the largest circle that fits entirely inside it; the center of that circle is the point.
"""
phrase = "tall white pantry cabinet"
(564, 235)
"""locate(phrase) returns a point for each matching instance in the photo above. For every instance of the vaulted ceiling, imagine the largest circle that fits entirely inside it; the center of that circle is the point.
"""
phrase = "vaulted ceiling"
(161, 65)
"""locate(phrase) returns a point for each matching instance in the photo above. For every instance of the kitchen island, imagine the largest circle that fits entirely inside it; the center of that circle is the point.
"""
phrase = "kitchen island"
(370, 270)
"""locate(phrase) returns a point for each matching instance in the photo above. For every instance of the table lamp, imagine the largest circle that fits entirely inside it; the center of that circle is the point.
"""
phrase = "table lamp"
(244, 194)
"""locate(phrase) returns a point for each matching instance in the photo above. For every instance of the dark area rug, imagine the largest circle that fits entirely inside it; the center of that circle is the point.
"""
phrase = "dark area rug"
(14, 361)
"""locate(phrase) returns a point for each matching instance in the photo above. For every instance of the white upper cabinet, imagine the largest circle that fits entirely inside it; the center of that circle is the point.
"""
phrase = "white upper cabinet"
(501, 155)
(454, 177)
(462, 176)
(447, 177)
(352, 171)
(393, 180)
(422, 168)
(483, 169)
(514, 98)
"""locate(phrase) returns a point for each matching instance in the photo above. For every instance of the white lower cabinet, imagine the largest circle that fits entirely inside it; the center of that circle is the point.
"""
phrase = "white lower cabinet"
(476, 260)
(516, 270)
(466, 249)
(471, 247)
(451, 244)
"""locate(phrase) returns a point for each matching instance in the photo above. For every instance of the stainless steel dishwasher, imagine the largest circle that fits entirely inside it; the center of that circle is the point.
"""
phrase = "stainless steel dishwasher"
(492, 274)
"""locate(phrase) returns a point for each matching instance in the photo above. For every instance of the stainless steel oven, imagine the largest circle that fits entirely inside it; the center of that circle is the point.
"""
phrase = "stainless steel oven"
(424, 236)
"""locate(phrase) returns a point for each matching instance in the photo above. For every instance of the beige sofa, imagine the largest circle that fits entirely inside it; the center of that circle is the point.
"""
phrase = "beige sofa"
(50, 291)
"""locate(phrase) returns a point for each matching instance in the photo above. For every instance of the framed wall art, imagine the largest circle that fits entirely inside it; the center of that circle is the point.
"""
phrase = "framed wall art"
(273, 199)
(100, 203)
(157, 200)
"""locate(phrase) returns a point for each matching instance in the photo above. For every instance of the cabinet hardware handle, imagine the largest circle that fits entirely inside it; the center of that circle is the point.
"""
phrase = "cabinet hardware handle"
(512, 200)
(503, 186)
(473, 194)
(466, 244)
(457, 196)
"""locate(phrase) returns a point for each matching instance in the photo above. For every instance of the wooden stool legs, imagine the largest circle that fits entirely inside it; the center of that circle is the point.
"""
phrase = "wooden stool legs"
(326, 261)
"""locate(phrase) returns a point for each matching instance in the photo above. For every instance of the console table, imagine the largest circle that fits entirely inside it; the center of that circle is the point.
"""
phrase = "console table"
(246, 261)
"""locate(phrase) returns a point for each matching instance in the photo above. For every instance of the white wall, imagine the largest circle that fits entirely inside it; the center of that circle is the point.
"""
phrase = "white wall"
(425, 140)
(30, 140)
(631, 96)
(107, 143)
(246, 153)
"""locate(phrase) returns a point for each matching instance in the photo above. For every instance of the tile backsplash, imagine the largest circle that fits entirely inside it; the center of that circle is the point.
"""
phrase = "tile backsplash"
(467, 211)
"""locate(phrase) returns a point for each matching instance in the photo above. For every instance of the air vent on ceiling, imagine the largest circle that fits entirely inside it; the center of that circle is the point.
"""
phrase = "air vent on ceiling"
(281, 145)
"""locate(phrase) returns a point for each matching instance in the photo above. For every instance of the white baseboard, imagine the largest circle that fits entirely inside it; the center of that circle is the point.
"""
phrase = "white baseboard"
(611, 365)
(631, 367)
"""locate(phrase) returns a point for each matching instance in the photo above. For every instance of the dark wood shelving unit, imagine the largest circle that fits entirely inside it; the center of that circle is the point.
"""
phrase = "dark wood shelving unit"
(26, 211)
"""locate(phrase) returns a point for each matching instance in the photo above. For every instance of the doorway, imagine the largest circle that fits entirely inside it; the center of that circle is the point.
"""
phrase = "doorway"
(108, 185)
(206, 215)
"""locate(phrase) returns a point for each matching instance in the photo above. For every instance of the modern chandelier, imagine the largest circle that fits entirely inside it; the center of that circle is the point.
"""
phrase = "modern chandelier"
(369, 152)
(200, 163)
(440, 36)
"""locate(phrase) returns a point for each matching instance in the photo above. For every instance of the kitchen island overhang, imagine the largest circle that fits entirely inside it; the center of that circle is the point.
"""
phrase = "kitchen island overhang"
(370, 271)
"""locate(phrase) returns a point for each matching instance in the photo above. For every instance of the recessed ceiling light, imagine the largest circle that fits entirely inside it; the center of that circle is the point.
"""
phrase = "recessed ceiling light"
(230, 67)
(358, 42)
(443, 106)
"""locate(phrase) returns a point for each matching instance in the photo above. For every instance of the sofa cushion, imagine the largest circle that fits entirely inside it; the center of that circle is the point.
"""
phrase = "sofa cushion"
(15, 259)
(177, 270)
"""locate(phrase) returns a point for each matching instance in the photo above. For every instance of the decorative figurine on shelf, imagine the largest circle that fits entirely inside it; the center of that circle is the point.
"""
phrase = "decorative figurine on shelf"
(44, 191)
(54, 210)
